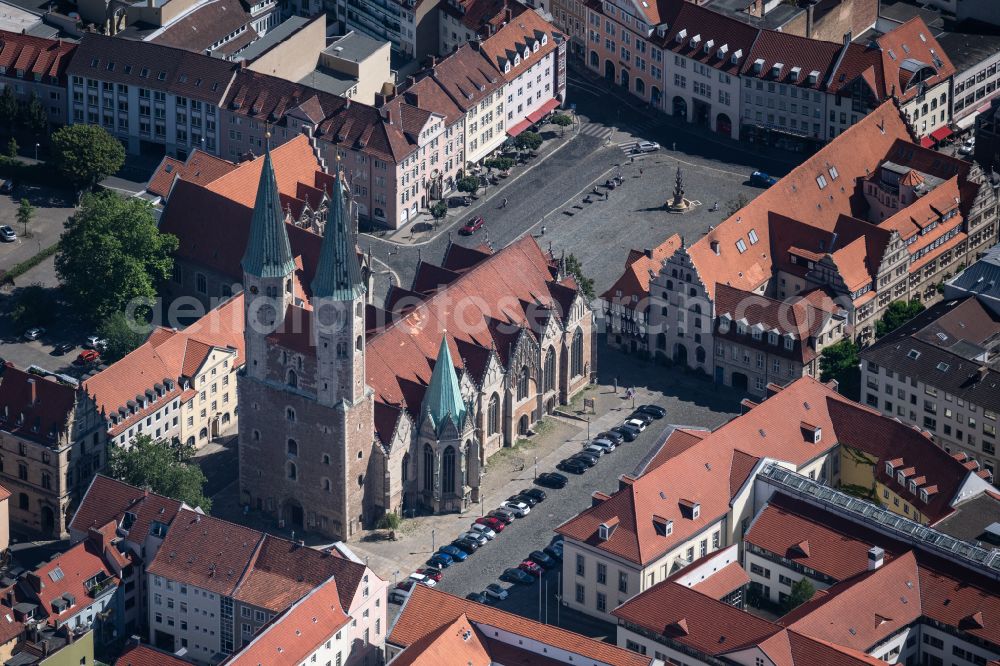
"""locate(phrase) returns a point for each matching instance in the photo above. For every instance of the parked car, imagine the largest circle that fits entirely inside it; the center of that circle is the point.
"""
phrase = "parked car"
(530, 567)
(7, 234)
(472, 226)
(496, 591)
(968, 147)
(34, 333)
(587, 459)
(605, 444)
(541, 559)
(552, 480)
(642, 416)
(421, 579)
(87, 356)
(655, 411)
(594, 449)
(454, 202)
(506, 515)
(554, 550)
(456, 554)
(476, 536)
(63, 348)
(485, 530)
(8, 186)
(468, 545)
(400, 592)
(572, 466)
(495, 524)
(95, 342)
(628, 433)
(523, 499)
(442, 560)
(762, 179)
(615, 437)
(433, 573)
(638, 424)
(520, 509)
(517, 576)
(478, 597)
(647, 147)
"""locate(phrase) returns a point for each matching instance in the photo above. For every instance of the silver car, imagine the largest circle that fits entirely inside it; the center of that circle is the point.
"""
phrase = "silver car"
(475, 536)
(519, 509)
(496, 591)
(7, 234)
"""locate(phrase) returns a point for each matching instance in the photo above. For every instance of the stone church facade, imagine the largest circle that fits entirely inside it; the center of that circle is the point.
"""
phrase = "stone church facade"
(349, 411)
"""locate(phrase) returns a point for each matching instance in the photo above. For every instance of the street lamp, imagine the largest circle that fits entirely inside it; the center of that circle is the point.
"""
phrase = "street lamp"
(432, 542)
(36, 151)
(536, 467)
(394, 575)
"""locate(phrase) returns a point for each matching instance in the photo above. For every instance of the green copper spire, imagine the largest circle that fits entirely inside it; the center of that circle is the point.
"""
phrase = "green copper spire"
(443, 398)
(338, 275)
(268, 253)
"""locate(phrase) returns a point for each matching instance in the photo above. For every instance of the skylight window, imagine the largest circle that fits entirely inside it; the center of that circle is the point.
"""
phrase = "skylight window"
(913, 354)
(741, 246)
(833, 173)
(162, 76)
(753, 237)
(821, 181)
(943, 367)
(56, 575)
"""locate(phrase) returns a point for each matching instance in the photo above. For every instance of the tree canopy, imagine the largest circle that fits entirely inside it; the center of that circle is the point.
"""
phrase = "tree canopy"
(34, 116)
(35, 306)
(85, 154)
(163, 466)
(575, 268)
(468, 184)
(802, 591)
(528, 141)
(122, 335)
(897, 314)
(111, 254)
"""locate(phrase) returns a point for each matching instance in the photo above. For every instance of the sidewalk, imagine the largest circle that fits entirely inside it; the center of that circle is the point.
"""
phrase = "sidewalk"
(424, 228)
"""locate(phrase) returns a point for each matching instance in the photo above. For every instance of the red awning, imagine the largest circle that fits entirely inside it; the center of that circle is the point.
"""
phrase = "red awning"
(541, 111)
(941, 133)
(984, 108)
(927, 142)
(518, 128)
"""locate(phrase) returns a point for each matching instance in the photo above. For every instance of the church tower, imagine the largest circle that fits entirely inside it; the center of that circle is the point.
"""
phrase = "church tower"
(268, 270)
(338, 300)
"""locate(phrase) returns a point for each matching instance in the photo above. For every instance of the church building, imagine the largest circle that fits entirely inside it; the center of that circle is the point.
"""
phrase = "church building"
(349, 411)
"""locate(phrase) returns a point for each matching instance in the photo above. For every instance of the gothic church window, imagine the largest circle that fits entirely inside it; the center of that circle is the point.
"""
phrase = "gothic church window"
(550, 370)
(290, 414)
(522, 383)
(448, 470)
(428, 468)
(577, 353)
(291, 470)
(293, 447)
(493, 416)
(293, 379)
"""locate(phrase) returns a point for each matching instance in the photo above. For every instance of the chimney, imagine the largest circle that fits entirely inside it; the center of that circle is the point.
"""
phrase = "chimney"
(848, 36)
(598, 497)
(809, 20)
(715, 247)
(508, 15)
(875, 558)
(33, 388)
(648, 252)
(97, 538)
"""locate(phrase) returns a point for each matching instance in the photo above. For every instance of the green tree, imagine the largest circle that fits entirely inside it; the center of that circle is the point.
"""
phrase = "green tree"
(528, 141)
(34, 117)
(24, 214)
(897, 314)
(86, 154)
(839, 360)
(111, 254)
(122, 335)
(162, 466)
(439, 209)
(12, 147)
(8, 107)
(468, 184)
(802, 591)
(562, 120)
(575, 268)
(35, 306)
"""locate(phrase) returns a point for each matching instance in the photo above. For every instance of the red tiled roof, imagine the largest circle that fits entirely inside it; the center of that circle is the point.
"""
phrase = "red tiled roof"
(47, 58)
(200, 167)
(427, 611)
(77, 565)
(774, 47)
(480, 15)
(912, 41)
(41, 420)
(736, 36)
(723, 581)
(680, 440)
(633, 285)
(108, 500)
(4, 493)
(145, 655)
(467, 77)
(519, 37)
(206, 552)
(297, 633)
(204, 25)
(459, 642)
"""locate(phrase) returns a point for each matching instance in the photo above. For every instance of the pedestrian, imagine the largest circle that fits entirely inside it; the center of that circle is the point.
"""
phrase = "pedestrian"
(543, 229)
(605, 196)
(631, 160)
(640, 172)
(504, 204)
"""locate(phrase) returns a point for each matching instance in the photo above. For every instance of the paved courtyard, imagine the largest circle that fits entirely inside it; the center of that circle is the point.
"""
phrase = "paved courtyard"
(52, 209)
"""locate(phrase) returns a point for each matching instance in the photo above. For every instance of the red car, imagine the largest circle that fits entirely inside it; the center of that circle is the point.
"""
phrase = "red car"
(87, 356)
(494, 524)
(434, 574)
(530, 567)
(472, 226)
(404, 585)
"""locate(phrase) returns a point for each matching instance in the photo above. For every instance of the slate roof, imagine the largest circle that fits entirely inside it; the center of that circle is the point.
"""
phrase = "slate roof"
(428, 611)
(916, 350)
(149, 65)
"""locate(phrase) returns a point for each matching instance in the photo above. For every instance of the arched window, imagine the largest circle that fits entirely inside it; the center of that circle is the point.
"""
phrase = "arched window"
(288, 286)
(406, 468)
(358, 343)
(327, 486)
(289, 413)
(326, 458)
(522, 383)
(293, 379)
(293, 447)
(359, 310)
(291, 470)
(699, 354)
(493, 415)
(428, 468)
(448, 470)
(696, 309)
(341, 349)
(550, 369)
(670, 286)
(577, 353)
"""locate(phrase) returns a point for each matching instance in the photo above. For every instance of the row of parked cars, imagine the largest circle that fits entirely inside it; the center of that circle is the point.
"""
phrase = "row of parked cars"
(608, 441)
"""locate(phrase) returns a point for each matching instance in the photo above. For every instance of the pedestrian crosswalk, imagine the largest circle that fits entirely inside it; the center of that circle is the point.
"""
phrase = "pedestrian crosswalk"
(597, 130)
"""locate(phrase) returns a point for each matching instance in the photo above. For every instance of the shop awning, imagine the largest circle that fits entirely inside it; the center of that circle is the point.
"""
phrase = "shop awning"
(518, 128)
(966, 122)
(541, 111)
(941, 133)
(927, 142)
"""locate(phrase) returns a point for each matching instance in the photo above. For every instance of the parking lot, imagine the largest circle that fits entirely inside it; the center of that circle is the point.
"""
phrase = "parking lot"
(52, 209)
